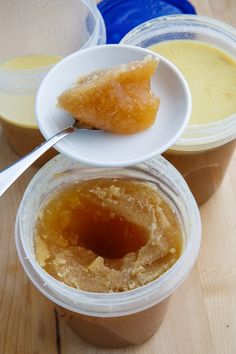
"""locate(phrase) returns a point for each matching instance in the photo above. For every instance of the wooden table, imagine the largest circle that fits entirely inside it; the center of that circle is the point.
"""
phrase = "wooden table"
(202, 314)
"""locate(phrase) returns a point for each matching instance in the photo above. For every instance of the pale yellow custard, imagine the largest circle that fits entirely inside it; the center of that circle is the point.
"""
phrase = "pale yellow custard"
(106, 235)
(211, 75)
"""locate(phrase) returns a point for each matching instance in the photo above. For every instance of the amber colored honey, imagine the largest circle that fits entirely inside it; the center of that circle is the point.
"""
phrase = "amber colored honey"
(107, 235)
(118, 99)
(203, 170)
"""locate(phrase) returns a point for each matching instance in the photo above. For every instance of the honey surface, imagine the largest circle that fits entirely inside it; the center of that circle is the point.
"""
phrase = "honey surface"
(118, 99)
(106, 235)
(30, 62)
(211, 75)
(19, 108)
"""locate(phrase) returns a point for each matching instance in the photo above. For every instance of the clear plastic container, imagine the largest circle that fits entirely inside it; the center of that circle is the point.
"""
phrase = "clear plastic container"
(38, 28)
(111, 319)
(203, 152)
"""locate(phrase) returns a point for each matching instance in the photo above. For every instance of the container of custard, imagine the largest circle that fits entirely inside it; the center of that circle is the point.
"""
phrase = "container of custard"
(108, 246)
(34, 36)
(204, 50)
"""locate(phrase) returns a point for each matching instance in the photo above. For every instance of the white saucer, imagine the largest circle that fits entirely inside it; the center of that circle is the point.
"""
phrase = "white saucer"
(105, 149)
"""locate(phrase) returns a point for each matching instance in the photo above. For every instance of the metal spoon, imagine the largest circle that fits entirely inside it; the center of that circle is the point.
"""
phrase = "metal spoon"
(11, 173)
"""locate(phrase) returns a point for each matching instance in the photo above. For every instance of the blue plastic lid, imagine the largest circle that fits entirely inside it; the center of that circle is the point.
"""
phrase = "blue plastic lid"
(121, 16)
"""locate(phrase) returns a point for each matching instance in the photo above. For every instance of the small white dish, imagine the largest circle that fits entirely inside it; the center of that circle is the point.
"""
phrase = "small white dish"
(100, 148)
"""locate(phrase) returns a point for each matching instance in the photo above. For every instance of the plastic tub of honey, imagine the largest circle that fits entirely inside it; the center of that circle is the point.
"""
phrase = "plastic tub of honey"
(204, 50)
(121, 318)
(34, 36)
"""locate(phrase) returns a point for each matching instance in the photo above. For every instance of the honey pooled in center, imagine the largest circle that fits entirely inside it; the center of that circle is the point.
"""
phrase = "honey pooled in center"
(105, 235)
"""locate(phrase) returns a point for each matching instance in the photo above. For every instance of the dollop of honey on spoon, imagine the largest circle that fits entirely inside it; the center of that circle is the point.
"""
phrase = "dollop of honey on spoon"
(118, 99)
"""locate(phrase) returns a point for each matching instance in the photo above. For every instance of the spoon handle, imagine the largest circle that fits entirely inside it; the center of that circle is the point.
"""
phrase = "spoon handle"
(11, 173)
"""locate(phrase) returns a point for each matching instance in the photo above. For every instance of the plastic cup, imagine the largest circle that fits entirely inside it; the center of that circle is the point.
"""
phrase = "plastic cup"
(203, 152)
(110, 319)
(44, 27)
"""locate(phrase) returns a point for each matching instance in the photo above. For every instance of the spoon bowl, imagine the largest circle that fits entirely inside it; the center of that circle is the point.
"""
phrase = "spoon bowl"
(104, 149)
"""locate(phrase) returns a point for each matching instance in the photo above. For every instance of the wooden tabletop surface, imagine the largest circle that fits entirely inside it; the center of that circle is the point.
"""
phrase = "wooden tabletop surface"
(201, 317)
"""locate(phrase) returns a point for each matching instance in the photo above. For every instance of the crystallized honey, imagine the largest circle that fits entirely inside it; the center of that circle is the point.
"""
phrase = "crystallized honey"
(211, 74)
(106, 235)
(15, 108)
(17, 103)
(203, 170)
(117, 99)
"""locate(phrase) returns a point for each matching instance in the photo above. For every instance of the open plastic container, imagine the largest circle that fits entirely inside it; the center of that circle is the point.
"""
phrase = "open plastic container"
(43, 27)
(111, 319)
(203, 152)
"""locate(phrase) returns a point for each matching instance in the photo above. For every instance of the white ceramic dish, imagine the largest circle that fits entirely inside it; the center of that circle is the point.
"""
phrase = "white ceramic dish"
(101, 148)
